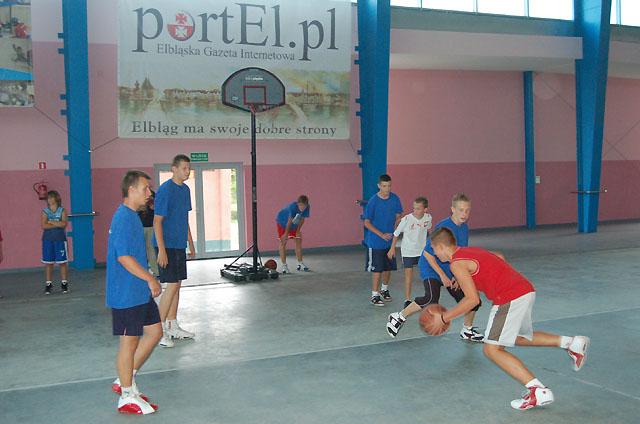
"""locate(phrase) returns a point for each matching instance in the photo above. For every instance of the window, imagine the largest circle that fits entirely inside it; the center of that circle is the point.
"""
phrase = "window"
(502, 7)
(554, 9)
(462, 5)
(630, 12)
(614, 12)
(406, 3)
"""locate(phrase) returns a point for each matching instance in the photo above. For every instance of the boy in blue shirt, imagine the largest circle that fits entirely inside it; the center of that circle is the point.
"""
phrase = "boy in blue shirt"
(129, 292)
(381, 216)
(171, 228)
(436, 273)
(289, 223)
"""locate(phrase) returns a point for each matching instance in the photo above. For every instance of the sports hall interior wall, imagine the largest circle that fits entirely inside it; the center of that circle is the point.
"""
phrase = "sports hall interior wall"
(449, 131)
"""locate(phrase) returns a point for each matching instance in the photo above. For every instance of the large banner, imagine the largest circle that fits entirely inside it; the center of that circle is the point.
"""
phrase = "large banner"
(16, 67)
(173, 58)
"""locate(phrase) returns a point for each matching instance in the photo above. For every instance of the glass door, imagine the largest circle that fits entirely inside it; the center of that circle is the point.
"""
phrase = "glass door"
(217, 207)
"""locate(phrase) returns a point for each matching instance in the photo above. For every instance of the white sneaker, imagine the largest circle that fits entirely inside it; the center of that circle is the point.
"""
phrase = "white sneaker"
(396, 321)
(302, 267)
(471, 334)
(532, 397)
(285, 269)
(116, 388)
(175, 332)
(578, 351)
(134, 404)
(166, 341)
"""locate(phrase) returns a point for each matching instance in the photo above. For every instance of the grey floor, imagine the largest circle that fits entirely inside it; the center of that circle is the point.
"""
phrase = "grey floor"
(308, 348)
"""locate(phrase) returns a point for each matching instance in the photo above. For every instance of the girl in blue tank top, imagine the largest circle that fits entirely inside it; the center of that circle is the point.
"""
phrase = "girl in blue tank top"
(54, 241)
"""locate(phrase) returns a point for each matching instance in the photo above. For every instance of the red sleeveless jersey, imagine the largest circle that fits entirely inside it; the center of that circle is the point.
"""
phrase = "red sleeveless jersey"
(494, 277)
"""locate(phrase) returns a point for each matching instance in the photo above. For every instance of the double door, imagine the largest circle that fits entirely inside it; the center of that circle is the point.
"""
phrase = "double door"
(217, 207)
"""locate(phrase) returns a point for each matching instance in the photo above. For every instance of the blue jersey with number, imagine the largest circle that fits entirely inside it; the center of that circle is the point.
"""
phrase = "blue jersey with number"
(54, 234)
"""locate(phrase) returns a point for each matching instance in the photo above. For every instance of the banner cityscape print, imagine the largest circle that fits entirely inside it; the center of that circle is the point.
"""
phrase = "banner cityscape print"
(172, 61)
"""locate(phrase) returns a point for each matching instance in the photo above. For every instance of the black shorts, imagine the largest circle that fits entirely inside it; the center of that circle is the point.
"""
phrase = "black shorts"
(432, 294)
(378, 261)
(131, 321)
(176, 269)
(410, 261)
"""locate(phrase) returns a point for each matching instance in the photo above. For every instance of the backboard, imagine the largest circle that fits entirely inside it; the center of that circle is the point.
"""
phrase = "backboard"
(253, 90)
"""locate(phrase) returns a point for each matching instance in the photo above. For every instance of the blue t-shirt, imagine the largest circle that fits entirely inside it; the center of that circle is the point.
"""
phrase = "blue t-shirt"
(382, 215)
(461, 233)
(292, 211)
(173, 203)
(54, 234)
(126, 238)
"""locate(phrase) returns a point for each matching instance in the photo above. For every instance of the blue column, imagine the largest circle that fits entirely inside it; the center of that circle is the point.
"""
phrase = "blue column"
(374, 21)
(529, 152)
(76, 69)
(592, 24)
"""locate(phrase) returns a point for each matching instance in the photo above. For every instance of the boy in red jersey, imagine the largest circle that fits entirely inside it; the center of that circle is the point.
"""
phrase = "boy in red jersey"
(510, 322)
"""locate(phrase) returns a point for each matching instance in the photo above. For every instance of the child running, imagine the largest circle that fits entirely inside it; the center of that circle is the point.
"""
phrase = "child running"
(414, 228)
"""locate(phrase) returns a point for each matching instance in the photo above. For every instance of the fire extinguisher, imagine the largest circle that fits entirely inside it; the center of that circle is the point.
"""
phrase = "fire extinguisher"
(41, 190)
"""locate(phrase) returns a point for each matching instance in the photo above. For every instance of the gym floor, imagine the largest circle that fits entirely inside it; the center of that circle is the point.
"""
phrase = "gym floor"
(309, 348)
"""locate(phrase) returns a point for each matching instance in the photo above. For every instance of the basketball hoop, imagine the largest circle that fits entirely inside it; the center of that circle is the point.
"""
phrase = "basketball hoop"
(252, 90)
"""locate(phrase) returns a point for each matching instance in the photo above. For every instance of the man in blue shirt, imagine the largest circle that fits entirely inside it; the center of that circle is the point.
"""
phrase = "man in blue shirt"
(381, 216)
(171, 228)
(435, 274)
(129, 290)
(289, 223)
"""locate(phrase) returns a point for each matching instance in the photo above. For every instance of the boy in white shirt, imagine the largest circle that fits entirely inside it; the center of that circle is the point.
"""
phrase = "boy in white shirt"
(415, 228)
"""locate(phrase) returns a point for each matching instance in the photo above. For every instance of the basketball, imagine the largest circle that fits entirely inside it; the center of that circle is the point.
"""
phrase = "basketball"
(427, 320)
(271, 264)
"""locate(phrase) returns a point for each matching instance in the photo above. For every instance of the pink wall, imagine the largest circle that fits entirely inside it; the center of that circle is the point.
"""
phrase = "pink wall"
(449, 131)
(453, 131)
(332, 189)
(556, 149)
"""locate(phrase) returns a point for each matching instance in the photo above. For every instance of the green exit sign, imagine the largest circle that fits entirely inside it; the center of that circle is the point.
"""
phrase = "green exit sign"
(199, 156)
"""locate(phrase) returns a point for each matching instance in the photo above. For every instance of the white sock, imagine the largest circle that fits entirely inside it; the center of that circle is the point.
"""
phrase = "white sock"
(467, 327)
(127, 391)
(48, 283)
(172, 323)
(64, 281)
(565, 342)
(402, 317)
(374, 293)
(534, 383)
(385, 287)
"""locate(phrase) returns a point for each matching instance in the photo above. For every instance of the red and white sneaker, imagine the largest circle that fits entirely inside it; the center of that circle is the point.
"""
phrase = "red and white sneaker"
(116, 388)
(134, 404)
(534, 396)
(578, 351)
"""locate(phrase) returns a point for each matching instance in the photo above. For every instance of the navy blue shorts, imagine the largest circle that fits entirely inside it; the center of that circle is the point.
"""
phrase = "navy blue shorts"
(54, 252)
(131, 321)
(378, 261)
(176, 269)
(410, 261)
